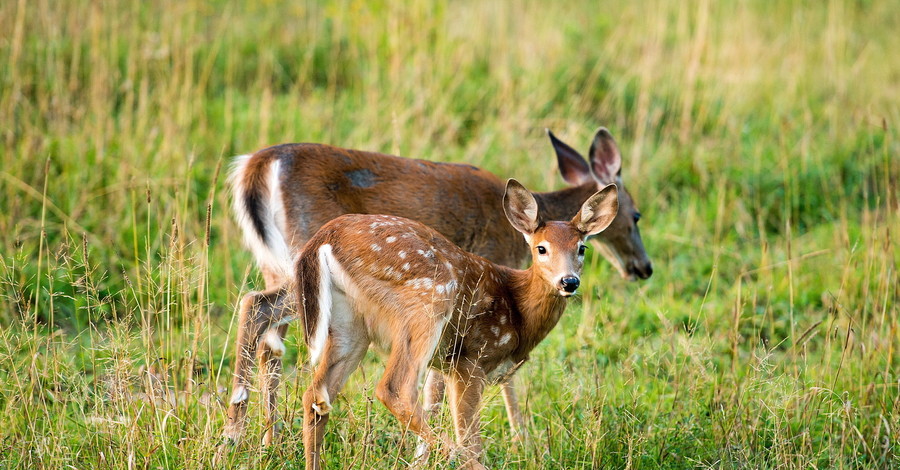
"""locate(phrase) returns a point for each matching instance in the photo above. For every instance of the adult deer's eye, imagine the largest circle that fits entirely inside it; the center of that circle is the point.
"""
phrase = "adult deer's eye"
(581, 250)
(637, 217)
(542, 250)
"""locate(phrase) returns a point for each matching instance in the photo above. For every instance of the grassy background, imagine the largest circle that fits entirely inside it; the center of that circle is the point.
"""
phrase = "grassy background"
(760, 143)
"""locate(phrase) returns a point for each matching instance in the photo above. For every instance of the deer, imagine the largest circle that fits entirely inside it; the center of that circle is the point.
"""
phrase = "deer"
(283, 194)
(367, 279)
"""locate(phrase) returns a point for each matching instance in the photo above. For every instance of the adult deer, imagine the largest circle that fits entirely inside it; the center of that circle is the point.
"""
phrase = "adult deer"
(284, 194)
(399, 284)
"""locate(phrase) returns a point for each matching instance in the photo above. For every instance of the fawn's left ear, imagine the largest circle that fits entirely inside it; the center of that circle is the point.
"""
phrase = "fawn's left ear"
(520, 207)
(598, 211)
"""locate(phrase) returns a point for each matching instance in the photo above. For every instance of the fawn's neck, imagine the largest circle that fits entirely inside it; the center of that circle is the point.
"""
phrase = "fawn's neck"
(538, 305)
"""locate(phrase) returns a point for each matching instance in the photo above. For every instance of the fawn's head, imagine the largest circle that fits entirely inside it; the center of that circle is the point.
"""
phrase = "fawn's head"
(621, 244)
(557, 248)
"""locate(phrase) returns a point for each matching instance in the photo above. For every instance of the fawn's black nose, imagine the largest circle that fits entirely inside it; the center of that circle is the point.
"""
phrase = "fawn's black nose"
(570, 283)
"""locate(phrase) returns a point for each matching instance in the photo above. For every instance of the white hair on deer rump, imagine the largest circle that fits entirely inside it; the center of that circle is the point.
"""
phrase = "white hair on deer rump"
(271, 253)
(317, 342)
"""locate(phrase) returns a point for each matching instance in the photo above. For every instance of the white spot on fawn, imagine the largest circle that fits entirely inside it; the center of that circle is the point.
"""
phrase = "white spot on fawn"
(402, 255)
(406, 266)
(391, 239)
(495, 330)
(421, 283)
(375, 247)
(504, 339)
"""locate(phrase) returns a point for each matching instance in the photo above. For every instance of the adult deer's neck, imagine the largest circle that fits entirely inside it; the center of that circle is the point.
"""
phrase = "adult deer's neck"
(562, 204)
(539, 307)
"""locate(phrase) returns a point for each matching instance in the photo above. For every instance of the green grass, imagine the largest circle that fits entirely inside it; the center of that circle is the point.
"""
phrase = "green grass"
(760, 143)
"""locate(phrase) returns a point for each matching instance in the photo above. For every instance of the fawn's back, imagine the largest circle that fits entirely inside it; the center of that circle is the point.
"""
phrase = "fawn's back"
(400, 276)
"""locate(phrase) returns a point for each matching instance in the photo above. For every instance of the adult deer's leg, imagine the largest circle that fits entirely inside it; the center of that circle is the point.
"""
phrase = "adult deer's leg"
(258, 310)
(433, 392)
(513, 410)
(433, 398)
(271, 349)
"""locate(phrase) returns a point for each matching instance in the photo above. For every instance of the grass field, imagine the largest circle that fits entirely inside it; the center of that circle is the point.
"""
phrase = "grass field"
(760, 141)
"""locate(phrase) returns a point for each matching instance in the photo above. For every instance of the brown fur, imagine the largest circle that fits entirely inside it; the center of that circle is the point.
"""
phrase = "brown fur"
(319, 183)
(431, 304)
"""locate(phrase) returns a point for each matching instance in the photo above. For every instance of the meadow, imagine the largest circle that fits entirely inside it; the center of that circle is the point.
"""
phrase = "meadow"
(759, 141)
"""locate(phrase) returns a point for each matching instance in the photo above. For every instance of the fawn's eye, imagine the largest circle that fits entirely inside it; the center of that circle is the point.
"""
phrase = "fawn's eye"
(542, 250)
(637, 217)
(581, 250)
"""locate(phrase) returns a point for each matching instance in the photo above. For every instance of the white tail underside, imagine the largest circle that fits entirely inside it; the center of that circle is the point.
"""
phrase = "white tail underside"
(317, 342)
(272, 254)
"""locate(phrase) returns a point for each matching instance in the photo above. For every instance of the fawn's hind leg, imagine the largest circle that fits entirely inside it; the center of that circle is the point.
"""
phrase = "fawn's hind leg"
(344, 348)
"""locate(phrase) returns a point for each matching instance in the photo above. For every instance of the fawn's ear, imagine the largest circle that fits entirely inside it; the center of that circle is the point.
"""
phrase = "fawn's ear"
(520, 207)
(606, 160)
(598, 211)
(572, 166)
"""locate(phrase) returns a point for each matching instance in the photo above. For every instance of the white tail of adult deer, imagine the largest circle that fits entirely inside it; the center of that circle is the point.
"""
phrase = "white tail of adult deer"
(403, 286)
(284, 194)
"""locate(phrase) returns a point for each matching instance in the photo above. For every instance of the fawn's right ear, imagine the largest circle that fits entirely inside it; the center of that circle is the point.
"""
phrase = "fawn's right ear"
(598, 211)
(572, 166)
(520, 207)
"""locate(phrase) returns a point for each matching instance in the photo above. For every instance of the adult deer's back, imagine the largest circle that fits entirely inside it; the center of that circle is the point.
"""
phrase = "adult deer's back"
(284, 194)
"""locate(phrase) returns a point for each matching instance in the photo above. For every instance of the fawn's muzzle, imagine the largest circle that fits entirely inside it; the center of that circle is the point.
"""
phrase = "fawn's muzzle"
(569, 283)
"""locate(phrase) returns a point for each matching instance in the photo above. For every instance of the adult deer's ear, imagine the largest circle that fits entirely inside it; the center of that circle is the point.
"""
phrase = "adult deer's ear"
(520, 207)
(598, 211)
(572, 166)
(606, 160)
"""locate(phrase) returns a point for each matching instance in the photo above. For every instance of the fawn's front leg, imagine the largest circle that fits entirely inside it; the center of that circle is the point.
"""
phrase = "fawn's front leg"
(466, 388)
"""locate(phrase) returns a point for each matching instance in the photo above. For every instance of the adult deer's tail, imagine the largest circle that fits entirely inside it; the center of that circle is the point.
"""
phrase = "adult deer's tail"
(259, 210)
